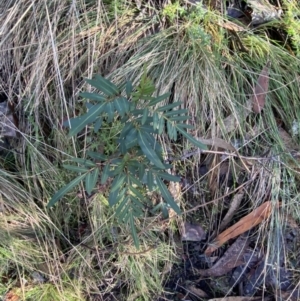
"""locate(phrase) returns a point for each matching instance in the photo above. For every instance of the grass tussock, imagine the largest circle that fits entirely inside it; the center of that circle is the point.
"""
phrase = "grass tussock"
(46, 50)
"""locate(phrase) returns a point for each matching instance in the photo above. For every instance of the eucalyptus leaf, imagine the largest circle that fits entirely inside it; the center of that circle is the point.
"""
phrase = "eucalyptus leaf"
(93, 96)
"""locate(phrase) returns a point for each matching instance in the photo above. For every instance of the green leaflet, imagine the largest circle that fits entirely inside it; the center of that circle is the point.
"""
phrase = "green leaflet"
(148, 150)
(169, 107)
(84, 162)
(59, 194)
(110, 111)
(168, 176)
(122, 105)
(158, 99)
(93, 96)
(97, 124)
(91, 180)
(133, 231)
(129, 88)
(105, 174)
(79, 123)
(96, 156)
(75, 168)
(192, 139)
(167, 196)
(104, 85)
(118, 182)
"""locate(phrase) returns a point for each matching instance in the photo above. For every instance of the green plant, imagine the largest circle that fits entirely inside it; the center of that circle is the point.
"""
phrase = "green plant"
(138, 163)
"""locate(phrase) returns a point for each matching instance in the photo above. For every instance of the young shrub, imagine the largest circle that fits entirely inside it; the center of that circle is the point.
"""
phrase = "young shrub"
(137, 166)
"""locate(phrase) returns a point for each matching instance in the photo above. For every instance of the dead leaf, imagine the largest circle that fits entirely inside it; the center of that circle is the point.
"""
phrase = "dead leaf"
(260, 90)
(232, 258)
(192, 232)
(246, 223)
(238, 299)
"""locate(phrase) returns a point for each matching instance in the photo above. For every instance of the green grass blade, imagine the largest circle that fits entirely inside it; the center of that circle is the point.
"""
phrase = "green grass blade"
(59, 194)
